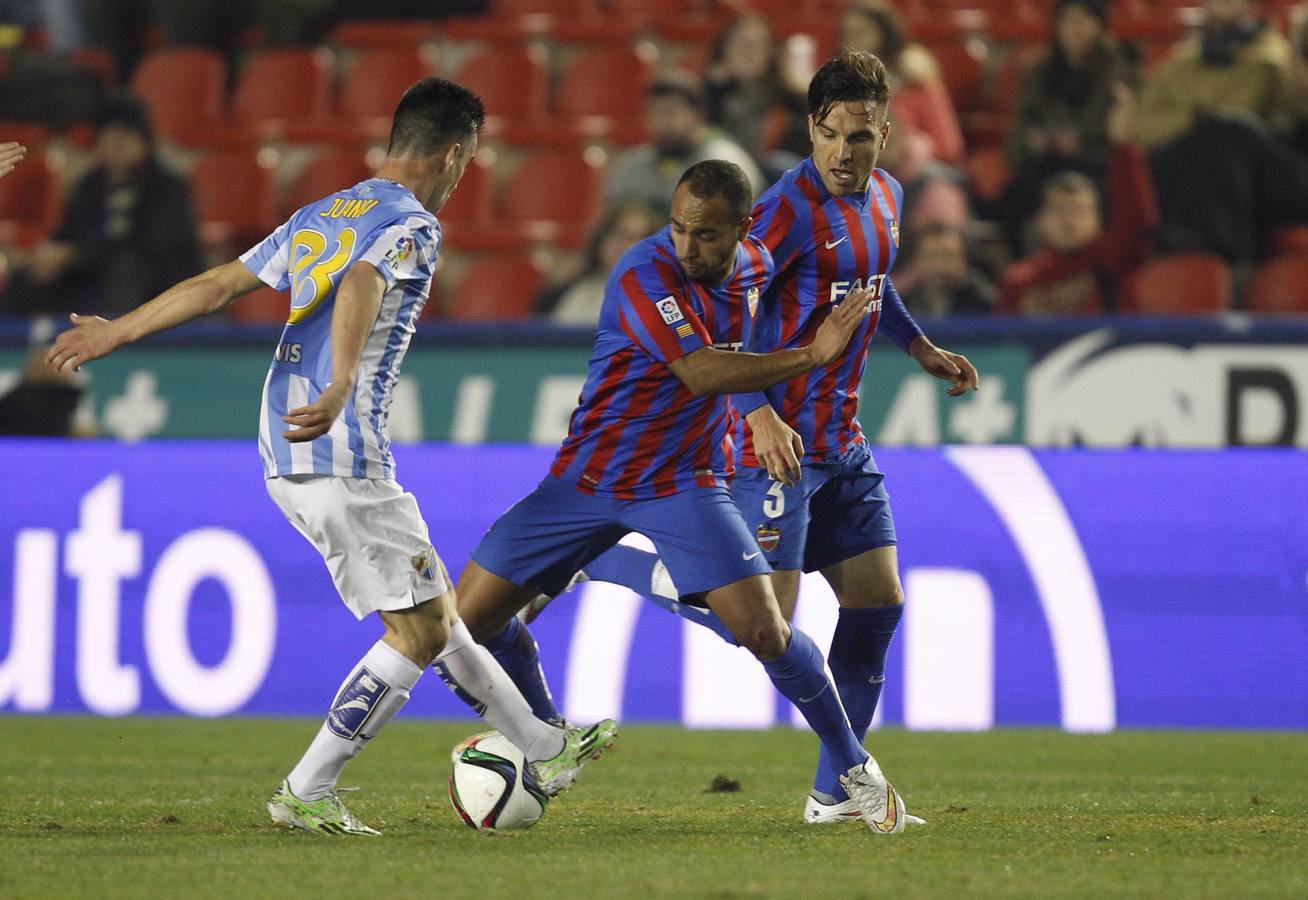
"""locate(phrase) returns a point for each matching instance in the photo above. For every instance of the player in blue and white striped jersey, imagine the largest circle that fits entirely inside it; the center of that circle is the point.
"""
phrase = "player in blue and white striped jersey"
(359, 266)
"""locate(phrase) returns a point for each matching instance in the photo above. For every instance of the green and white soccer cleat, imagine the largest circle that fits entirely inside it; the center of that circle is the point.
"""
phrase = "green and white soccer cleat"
(875, 798)
(818, 813)
(326, 815)
(580, 746)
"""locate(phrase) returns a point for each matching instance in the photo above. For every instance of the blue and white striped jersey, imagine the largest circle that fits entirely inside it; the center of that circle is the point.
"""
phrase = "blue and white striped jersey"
(378, 222)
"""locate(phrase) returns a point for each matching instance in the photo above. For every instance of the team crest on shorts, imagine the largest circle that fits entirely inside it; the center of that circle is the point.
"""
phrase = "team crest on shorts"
(768, 537)
(425, 564)
(751, 300)
(894, 231)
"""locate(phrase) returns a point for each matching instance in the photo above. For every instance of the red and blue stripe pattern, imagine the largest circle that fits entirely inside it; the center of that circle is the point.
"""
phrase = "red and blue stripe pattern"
(824, 247)
(638, 432)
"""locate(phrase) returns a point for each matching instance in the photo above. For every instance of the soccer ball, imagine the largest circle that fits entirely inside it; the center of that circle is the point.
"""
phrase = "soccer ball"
(491, 787)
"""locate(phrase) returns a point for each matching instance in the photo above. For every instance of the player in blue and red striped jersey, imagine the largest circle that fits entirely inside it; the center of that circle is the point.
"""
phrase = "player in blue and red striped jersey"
(649, 450)
(807, 485)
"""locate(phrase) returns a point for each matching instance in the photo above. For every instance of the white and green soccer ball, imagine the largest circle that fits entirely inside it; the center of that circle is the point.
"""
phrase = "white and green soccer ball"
(491, 787)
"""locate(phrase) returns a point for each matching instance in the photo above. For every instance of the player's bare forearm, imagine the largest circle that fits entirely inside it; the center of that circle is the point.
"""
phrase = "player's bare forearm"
(354, 312)
(92, 337)
(707, 371)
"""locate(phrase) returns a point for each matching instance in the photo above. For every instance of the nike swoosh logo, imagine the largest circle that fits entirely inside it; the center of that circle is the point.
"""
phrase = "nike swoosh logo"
(887, 825)
(748, 556)
(831, 244)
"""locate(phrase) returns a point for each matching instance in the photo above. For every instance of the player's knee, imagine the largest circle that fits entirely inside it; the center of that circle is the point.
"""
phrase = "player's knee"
(766, 640)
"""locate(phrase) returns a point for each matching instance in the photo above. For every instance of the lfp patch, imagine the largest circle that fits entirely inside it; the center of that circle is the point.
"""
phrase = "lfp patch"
(670, 311)
(402, 250)
(768, 537)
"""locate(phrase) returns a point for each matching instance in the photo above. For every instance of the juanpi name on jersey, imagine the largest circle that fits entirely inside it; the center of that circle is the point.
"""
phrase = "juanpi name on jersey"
(159, 578)
(873, 283)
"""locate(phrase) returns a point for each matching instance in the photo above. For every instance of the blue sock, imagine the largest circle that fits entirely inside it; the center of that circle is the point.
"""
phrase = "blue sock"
(518, 654)
(858, 666)
(643, 572)
(799, 674)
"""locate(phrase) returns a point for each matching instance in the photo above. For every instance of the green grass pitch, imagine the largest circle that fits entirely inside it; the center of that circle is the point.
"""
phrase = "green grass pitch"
(174, 808)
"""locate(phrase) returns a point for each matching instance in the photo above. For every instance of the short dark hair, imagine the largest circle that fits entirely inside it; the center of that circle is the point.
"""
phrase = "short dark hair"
(434, 113)
(715, 178)
(1069, 182)
(854, 75)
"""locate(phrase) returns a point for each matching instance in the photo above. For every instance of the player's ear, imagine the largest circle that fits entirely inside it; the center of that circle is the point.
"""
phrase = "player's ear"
(885, 134)
(450, 155)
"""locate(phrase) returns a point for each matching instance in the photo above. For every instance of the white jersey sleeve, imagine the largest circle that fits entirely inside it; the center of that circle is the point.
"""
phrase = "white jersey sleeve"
(405, 251)
(269, 260)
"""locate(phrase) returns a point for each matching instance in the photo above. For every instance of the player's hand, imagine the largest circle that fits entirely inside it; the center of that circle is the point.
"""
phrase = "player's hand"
(840, 325)
(947, 366)
(778, 446)
(316, 419)
(11, 154)
(91, 337)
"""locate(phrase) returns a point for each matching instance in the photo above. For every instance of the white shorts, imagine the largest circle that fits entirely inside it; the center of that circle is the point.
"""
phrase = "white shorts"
(371, 535)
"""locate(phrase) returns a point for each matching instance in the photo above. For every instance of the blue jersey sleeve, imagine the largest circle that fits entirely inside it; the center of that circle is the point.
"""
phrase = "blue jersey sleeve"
(895, 321)
(269, 260)
(405, 251)
(654, 314)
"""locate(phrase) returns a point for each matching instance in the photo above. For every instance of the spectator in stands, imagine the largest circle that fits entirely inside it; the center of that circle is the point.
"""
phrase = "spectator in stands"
(921, 101)
(11, 154)
(676, 118)
(577, 300)
(128, 229)
(933, 191)
(750, 98)
(1299, 79)
(1065, 94)
(940, 280)
(1081, 263)
(1060, 122)
(1238, 64)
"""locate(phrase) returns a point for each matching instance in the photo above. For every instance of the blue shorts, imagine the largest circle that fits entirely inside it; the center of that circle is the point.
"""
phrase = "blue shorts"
(556, 530)
(838, 510)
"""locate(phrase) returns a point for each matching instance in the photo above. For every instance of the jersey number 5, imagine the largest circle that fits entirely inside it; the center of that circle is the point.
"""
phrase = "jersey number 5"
(312, 275)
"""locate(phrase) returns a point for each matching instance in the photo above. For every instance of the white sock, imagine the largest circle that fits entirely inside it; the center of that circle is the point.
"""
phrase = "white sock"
(472, 673)
(373, 692)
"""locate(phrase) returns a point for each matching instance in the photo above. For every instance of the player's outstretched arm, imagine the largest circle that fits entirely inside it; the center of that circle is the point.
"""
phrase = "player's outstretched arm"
(945, 365)
(357, 303)
(11, 154)
(708, 371)
(92, 337)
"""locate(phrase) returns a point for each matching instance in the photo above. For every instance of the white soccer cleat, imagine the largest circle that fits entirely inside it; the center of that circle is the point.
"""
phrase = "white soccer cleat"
(818, 813)
(875, 798)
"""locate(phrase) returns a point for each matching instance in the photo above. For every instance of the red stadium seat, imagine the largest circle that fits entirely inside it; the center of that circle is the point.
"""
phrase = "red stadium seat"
(183, 88)
(470, 204)
(1279, 286)
(498, 287)
(987, 172)
(280, 86)
(1185, 284)
(510, 80)
(331, 172)
(382, 33)
(29, 200)
(1289, 239)
(554, 194)
(233, 197)
(604, 81)
(962, 69)
(263, 306)
(369, 92)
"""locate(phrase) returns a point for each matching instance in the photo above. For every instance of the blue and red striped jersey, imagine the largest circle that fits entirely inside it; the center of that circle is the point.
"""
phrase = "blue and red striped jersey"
(638, 432)
(824, 247)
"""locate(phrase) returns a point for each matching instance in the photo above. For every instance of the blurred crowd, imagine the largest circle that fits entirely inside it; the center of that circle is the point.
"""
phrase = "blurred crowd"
(1059, 157)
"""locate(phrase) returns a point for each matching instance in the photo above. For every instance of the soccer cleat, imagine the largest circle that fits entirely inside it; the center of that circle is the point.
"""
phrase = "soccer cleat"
(876, 800)
(327, 815)
(818, 813)
(533, 609)
(580, 746)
